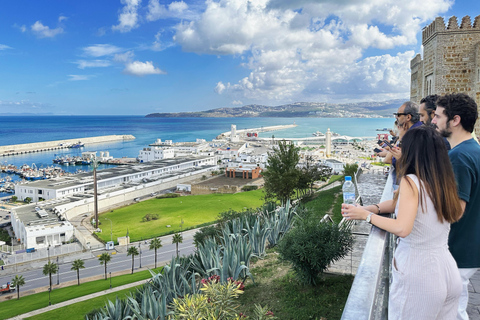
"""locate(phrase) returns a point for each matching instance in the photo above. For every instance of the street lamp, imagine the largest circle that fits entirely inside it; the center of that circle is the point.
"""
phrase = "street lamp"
(58, 272)
(140, 250)
(49, 301)
(111, 229)
(48, 252)
(110, 280)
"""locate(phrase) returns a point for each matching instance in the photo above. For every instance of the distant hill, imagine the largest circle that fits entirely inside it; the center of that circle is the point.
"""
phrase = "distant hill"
(297, 109)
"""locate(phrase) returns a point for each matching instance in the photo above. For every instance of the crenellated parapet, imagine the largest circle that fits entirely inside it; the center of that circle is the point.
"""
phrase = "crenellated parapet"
(439, 26)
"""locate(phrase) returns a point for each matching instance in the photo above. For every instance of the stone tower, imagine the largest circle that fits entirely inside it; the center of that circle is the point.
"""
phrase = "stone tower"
(451, 61)
(329, 143)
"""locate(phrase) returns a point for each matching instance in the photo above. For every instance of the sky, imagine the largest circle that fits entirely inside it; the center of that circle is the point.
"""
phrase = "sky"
(135, 57)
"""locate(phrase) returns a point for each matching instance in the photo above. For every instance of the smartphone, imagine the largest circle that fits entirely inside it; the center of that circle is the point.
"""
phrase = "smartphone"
(388, 143)
(380, 142)
(377, 150)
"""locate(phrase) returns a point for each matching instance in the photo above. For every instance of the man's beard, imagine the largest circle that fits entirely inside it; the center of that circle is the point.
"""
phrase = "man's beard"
(446, 133)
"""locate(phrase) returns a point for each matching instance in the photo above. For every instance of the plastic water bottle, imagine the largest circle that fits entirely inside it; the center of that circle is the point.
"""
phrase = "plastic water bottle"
(348, 191)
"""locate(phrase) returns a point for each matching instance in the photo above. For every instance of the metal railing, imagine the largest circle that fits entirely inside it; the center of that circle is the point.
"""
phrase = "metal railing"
(368, 298)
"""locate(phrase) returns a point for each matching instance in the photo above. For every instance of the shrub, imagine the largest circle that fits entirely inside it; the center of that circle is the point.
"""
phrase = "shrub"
(204, 233)
(27, 200)
(249, 188)
(14, 198)
(168, 195)
(150, 217)
(311, 246)
(350, 169)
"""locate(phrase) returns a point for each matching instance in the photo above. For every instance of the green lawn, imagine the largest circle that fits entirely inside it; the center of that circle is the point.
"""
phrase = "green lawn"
(36, 301)
(77, 311)
(193, 210)
(325, 201)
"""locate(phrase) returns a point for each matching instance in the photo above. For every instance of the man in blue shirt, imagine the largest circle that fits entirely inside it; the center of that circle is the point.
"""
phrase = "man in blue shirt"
(455, 119)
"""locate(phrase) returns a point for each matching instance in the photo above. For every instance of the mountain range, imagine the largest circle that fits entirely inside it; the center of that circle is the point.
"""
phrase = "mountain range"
(382, 109)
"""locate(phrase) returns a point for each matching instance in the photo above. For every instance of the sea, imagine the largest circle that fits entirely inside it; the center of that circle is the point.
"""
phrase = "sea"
(28, 129)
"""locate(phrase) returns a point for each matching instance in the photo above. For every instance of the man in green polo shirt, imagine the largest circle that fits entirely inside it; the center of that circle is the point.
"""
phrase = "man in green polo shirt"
(455, 118)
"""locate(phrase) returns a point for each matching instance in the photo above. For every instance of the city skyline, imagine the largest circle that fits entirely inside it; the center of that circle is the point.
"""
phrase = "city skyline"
(134, 57)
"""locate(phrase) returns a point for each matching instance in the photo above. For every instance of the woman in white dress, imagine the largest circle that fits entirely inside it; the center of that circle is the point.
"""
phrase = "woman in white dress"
(426, 283)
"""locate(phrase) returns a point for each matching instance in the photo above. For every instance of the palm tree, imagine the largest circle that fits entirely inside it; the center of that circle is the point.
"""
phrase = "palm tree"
(49, 269)
(17, 282)
(77, 265)
(104, 259)
(155, 244)
(132, 251)
(177, 238)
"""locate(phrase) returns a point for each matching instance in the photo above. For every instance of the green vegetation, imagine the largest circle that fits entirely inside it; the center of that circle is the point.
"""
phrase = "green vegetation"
(382, 164)
(194, 210)
(276, 286)
(4, 236)
(312, 246)
(36, 301)
(17, 282)
(350, 169)
(328, 201)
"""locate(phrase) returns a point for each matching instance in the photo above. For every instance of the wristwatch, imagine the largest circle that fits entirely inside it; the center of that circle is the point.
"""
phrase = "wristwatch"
(369, 217)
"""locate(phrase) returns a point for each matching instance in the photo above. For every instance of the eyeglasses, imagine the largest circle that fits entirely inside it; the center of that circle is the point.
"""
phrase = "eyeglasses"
(400, 114)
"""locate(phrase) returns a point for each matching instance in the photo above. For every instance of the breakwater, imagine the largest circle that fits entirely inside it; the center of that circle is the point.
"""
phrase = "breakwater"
(257, 130)
(16, 149)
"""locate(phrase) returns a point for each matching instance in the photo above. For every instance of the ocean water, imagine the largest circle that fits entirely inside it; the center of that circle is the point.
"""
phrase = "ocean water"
(27, 129)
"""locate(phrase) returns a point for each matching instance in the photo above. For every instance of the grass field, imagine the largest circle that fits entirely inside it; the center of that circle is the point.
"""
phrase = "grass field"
(327, 200)
(193, 210)
(36, 301)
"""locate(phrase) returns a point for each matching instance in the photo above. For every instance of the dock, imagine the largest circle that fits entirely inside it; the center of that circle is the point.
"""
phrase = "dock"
(17, 149)
(257, 130)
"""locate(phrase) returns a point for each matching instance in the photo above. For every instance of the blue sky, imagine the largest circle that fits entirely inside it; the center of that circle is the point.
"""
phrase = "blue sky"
(143, 56)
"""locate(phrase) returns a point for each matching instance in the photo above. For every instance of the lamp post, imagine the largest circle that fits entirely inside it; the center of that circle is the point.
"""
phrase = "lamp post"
(140, 250)
(48, 252)
(111, 229)
(58, 273)
(49, 301)
(95, 198)
(110, 280)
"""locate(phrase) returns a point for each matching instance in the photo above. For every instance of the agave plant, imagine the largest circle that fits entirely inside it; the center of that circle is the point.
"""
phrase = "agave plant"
(280, 222)
(257, 235)
(175, 281)
(152, 305)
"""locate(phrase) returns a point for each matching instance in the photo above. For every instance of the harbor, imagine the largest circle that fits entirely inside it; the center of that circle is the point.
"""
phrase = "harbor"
(17, 149)
(253, 132)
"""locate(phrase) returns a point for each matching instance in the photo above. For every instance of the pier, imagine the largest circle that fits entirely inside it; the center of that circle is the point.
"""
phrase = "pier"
(17, 149)
(258, 130)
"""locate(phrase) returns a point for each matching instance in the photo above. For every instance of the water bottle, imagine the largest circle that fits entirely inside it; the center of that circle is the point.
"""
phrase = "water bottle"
(348, 191)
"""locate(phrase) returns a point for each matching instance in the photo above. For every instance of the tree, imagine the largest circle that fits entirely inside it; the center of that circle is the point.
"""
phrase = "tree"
(310, 173)
(77, 265)
(155, 244)
(177, 238)
(27, 200)
(14, 198)
(49, 269)
(132, 251)
(350, 169)
(17, 282)
(281, 174)
(104, 259)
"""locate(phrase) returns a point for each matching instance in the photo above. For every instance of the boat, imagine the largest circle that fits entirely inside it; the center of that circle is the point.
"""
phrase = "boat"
(384, 129)
(318, 134)
(78, 145)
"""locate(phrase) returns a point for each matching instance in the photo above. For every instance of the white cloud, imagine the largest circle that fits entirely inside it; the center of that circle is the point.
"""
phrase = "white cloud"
(173, 10)
(128, 18)
(23, 28)
(138, 68)
(82, 64)
(124, 57)
(23, 106)
(62, 18)
(79, 77)
(237, 102)
(42, 31)
(99, 50)
(296, 49)
(4, 47)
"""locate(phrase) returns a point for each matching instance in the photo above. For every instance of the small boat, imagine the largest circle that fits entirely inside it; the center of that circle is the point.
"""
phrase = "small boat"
(78, 145)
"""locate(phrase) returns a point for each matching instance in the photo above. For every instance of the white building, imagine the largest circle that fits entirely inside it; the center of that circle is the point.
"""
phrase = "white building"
(78, 184)
(36, 227)
(337, 166)
(155, 153)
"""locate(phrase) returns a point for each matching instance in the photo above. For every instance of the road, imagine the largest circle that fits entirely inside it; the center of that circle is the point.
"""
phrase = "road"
(35, 279)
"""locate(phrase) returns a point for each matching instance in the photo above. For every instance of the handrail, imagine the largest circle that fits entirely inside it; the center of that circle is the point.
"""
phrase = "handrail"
(368, 298)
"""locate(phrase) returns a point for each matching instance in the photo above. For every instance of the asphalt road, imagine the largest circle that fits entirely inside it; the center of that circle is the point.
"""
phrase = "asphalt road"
(120, 262)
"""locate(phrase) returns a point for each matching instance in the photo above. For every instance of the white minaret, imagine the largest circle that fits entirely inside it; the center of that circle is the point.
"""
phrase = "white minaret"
(233, 134)
(329, 142)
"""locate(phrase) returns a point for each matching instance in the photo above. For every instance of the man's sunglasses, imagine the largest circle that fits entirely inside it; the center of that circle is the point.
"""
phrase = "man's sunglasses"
(400, 114)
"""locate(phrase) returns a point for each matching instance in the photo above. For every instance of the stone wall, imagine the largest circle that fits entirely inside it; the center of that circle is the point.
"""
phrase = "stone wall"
(451, 61)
